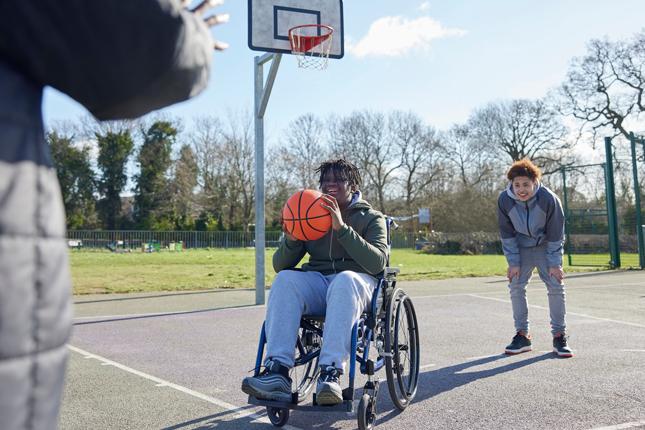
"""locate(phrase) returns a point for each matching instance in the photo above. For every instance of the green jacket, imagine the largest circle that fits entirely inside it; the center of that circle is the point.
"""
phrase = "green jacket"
(360, 245)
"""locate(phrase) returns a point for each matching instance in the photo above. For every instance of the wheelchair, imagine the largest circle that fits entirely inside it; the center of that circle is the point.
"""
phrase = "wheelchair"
(389, 329)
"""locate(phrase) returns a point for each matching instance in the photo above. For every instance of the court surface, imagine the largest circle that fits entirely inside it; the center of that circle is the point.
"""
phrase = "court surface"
(175, 361)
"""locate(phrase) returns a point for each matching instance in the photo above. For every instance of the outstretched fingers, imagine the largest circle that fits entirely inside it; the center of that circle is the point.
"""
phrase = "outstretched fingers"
(203, 8)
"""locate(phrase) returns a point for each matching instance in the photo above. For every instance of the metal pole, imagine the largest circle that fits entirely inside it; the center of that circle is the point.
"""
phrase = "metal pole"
(262, 95)
(637, 203)
(565, 202)
(614, 246)
(259, 185)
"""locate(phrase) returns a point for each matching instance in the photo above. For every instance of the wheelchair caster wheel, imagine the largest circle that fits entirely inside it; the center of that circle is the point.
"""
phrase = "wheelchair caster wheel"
(278, 416)
(366, 412)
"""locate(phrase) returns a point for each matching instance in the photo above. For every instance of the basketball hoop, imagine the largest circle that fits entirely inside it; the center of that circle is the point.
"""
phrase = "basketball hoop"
(311, 44)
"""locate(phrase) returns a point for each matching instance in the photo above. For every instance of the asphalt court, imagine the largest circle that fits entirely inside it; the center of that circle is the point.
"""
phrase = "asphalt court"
(176, 360)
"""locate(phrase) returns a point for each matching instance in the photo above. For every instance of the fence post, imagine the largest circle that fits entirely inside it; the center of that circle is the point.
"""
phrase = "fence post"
(614, 245)
(637, 203)
(565, 203)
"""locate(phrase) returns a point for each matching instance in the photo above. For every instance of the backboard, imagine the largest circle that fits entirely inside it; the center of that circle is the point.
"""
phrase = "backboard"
(270, 21)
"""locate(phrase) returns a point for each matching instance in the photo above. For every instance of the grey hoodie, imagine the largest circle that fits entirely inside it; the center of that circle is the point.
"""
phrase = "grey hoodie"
(538, 221)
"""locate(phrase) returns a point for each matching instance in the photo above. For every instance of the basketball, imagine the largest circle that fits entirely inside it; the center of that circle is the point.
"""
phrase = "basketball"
(304, 218)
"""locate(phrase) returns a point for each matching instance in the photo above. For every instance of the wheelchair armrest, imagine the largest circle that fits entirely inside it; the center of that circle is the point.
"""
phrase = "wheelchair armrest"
(391, 271)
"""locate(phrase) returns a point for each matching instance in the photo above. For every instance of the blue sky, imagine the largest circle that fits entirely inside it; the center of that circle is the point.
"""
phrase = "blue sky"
(441, 59)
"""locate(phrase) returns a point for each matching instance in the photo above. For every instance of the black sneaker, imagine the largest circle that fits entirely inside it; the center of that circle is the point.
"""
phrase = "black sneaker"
(561, 348)
(273, 383)
(328, 391)
(521, 343)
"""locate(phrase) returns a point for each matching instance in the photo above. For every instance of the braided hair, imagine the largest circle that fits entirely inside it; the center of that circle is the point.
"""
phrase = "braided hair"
(343, 170)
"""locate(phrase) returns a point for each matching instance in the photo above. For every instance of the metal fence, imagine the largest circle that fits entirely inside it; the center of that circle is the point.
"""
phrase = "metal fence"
(115, 240)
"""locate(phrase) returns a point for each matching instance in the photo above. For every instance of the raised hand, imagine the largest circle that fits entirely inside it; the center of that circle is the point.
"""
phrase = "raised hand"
(202, 10)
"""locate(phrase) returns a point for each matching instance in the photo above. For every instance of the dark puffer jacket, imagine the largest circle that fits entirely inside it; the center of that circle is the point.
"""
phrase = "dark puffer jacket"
(119, 59)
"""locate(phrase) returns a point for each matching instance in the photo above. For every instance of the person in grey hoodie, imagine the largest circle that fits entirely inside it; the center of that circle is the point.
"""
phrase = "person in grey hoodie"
(119, 59)
(338, 282)
(531, 225)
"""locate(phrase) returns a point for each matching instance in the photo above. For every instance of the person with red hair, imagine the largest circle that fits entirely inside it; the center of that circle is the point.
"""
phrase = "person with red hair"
(531, 225)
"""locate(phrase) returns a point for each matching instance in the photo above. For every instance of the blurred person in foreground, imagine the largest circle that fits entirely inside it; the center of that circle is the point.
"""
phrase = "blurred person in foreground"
(119, 59)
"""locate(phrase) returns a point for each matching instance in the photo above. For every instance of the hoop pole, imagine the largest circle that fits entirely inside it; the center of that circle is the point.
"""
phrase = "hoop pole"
(262, 94)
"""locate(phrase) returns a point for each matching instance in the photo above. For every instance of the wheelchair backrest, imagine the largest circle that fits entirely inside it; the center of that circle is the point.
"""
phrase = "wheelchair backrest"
(390, 225)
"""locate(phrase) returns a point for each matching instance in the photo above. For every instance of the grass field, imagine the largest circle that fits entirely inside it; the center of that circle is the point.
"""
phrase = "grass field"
(104, 272)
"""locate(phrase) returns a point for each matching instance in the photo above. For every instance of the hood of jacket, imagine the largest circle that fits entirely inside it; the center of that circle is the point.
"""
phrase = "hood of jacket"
(511, 194)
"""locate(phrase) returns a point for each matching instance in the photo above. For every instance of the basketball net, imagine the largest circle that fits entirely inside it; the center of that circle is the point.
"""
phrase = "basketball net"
(311, 44)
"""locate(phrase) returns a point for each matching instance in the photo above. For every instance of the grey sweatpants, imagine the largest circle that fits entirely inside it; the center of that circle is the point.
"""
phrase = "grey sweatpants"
(532, 258)
(341, 298)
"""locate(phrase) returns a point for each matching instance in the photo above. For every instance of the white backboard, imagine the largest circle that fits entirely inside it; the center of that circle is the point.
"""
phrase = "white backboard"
(270, 21)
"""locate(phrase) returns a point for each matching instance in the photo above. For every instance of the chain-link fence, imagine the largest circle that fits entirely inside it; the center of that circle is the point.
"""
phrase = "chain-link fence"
(148, 241)
(630, 181)
(586, 217)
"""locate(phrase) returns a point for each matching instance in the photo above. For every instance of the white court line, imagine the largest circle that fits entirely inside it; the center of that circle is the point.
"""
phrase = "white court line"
(481, 357)
(426, 366)
(237, 411)
(622, 426)
(154, 314)
(568, 313)
(581, 287)
(446, 295)
(632, 350)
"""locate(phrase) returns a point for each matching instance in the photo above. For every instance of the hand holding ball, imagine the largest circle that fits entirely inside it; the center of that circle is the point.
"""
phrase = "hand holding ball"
(304, 218)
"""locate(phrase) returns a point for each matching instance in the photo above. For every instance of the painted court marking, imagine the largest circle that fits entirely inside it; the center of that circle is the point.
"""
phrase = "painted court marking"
(161, 314)
(568, 313)
(622, 426)
(237, 411)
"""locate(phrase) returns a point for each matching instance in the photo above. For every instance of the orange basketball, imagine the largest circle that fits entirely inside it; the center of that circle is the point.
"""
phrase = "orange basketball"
(303, 216)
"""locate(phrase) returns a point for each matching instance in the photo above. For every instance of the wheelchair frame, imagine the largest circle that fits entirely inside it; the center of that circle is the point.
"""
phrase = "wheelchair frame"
(379, 329)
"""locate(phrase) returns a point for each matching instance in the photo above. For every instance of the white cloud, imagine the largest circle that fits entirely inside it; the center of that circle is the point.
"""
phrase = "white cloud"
(393, 36)
(425, 6)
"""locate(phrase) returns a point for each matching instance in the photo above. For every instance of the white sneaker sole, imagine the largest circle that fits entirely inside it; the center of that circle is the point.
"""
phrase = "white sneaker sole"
(518, 351)
(563, 354)
(266, 395)
(328, 398)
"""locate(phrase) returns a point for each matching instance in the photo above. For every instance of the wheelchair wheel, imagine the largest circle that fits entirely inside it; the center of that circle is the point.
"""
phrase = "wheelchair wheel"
(305, 372)
(366, 412)
(278, 416)
(402, 346)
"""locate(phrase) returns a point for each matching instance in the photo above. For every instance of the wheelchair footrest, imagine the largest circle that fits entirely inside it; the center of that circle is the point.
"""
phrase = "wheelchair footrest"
(345, 406)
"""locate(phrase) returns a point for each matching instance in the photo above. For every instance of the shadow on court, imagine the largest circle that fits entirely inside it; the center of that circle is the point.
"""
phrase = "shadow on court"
(435, 382)
(215, 421)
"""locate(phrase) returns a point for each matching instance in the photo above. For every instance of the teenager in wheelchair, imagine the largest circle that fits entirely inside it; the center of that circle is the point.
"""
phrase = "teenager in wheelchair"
(342, 305)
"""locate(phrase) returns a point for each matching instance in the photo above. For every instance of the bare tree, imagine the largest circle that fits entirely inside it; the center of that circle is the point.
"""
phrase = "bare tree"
(469, 158)
(280, 185)
(421, 161)
(239, 168)
(304, 150)
(362, 138)
(604, 88)
(183, 186)
(207, 141)
(522, 129)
